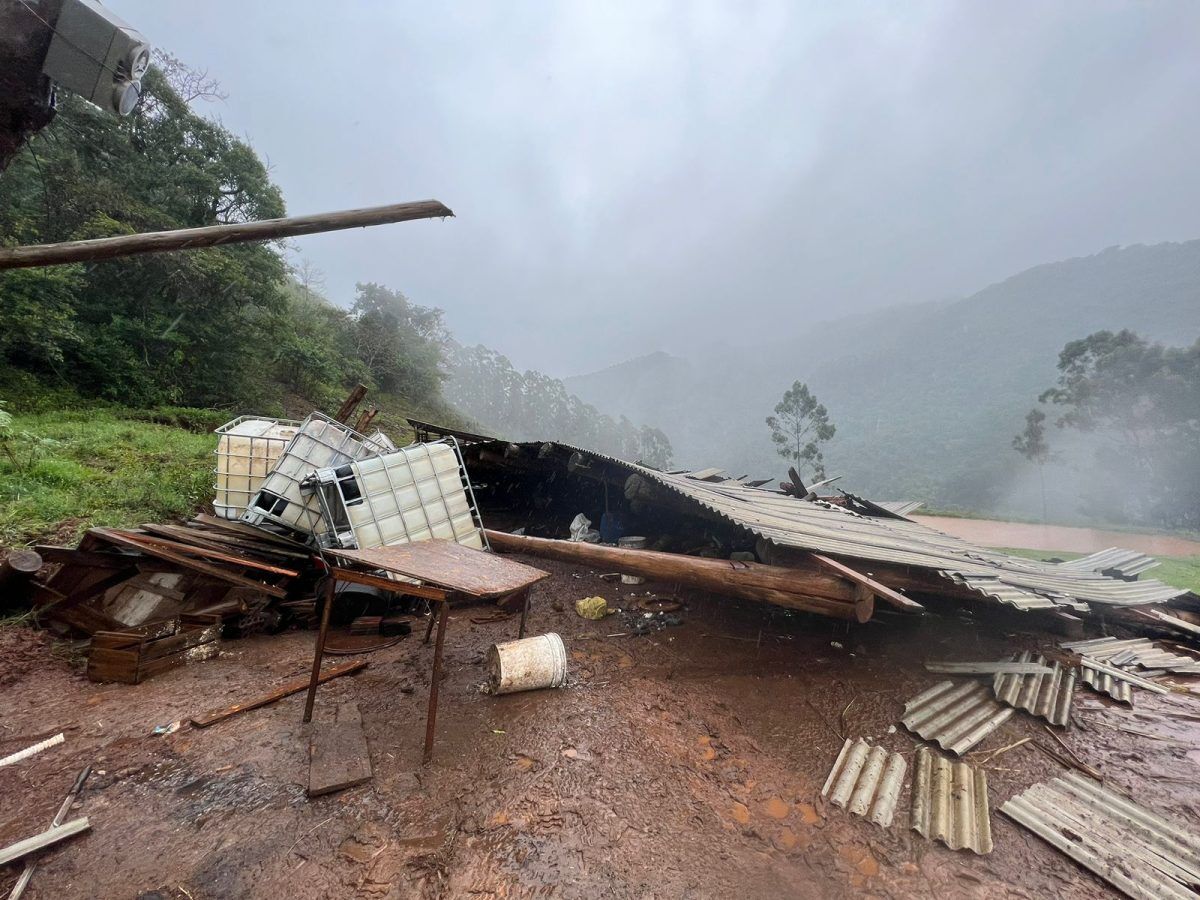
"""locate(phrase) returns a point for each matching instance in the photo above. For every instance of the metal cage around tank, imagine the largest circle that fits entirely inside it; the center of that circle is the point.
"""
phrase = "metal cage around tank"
(319, 442)
(247, 450)
(420, 492)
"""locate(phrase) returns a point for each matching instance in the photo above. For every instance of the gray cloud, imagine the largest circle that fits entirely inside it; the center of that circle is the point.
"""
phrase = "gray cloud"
(631, 177)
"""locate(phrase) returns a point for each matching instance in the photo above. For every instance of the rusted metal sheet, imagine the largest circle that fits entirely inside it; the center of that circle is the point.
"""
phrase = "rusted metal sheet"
(956, 717)
(1117, 688)
(866, 781)
(950, 803)
(1131, 847)
(1047, 696)
(823, 527)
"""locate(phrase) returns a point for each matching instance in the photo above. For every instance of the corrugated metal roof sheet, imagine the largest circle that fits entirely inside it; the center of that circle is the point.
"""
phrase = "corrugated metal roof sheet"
(950, 803)
(866, 781)
(956, 717)
(823, 527)
(1126, 563)
(1136, 680)
(1132, 848)
(1117, 688)
(1048, 696)
(1134, 652)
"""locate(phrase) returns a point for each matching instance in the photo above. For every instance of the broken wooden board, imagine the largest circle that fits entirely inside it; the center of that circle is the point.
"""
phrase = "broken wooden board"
(285, 690)
(131, 656)
(45, 839)
(338, 755)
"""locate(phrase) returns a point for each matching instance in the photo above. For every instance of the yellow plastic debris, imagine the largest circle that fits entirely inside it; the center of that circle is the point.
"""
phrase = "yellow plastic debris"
(592, 607)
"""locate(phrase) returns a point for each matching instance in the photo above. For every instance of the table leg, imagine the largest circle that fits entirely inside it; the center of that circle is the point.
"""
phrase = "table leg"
(429, 628)
(319, 652)
(524, 614)
(431, 716)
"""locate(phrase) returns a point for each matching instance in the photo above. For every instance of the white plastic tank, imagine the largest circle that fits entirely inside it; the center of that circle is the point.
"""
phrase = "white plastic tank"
(418, 493)
(247, 449)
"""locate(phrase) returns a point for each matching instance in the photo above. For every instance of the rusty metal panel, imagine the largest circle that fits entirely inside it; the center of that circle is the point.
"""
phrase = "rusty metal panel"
(1117, 688)
(950, 803)
(1047, 696)
(1133, 848)
(956, 717)
(866, 781)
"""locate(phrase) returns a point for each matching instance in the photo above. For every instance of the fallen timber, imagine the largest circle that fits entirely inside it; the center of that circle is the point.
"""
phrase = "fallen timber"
(820, 593)
(215, 235)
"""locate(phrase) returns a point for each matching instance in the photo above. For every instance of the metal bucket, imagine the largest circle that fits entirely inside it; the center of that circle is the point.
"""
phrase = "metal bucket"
(632, 542)
(527, 664)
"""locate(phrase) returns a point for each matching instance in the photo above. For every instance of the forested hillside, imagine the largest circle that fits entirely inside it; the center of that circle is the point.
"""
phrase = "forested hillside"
(926, 398)
(239, 329)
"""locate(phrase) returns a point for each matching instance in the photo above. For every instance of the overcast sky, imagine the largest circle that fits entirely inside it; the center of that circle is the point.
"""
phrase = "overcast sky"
(630, 177)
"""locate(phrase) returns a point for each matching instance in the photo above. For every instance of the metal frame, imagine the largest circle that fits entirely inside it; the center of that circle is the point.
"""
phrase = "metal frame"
(246, 495)
(340, 529)
(348, 446)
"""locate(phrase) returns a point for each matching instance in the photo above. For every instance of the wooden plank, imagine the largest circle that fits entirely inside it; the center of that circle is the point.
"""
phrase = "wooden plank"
(86, 619)
(220, 554)
(121, 540)
(214, 235)
(232, 526)
(285, 690)
(338, 755)
(45, 839)
(346, 410)
(883, 592)
(218, 540)
(386, 584)
(447, 564)
(71, 556)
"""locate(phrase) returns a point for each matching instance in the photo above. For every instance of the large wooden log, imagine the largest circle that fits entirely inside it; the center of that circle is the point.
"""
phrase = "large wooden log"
(827, 595)
(215, 235)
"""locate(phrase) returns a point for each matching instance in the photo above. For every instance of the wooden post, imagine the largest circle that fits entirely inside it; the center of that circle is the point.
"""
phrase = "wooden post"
(15, 573)
(319, 651)
(215, 235)
(431, 716)
(524, 614)
(365, 418)
(346, 410)
(817, 592)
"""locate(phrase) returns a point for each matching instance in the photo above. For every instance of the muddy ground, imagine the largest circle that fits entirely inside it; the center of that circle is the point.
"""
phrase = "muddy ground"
(683, 763)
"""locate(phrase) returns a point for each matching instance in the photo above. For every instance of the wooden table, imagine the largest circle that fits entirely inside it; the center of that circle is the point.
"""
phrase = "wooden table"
(445, 571)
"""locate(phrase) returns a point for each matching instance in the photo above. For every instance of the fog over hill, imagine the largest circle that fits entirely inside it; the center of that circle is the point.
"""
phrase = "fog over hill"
(926, 397)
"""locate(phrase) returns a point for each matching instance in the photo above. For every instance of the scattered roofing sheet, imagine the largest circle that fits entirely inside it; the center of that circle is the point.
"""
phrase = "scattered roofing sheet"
(950, 803)
(1046, 696)
(1005, 666)
(866, 781)
(956, 717)
(1134, 652)
(1132, 848)
(1117, 688)
(1124, 563)
(828, 528)
(1129, 677)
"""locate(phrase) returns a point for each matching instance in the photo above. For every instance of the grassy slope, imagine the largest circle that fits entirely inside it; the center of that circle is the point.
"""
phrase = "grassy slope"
(1177, 571)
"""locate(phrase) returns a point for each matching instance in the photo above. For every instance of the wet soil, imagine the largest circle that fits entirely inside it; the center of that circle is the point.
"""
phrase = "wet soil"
(1062, 538)
(686, 762)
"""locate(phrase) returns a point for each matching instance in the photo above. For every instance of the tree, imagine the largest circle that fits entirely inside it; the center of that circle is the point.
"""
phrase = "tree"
(1031, 444)
(799, 427)
(1140, 404)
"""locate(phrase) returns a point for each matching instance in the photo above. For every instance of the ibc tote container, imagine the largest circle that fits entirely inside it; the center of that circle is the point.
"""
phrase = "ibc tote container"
(247, 449)
(319, 442)
(419, 493)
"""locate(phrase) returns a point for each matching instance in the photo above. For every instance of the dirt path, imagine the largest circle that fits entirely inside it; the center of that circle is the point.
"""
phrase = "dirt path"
(993, 533)
(685, 763)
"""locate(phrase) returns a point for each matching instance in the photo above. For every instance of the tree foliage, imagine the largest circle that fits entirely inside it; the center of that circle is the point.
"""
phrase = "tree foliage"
(533, 406)
(1140, 403)
(798, 428)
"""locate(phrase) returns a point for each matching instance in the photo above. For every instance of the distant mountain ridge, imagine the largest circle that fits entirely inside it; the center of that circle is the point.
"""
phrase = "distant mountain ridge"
(926, 398)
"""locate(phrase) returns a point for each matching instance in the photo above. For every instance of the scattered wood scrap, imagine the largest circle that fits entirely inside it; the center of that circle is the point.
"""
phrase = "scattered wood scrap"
(132, 656)
(285, 690)
(45, 839)
(339, 757)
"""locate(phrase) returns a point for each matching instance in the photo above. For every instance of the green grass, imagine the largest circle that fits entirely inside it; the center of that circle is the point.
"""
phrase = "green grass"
(1177, 571)
(61, 472)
